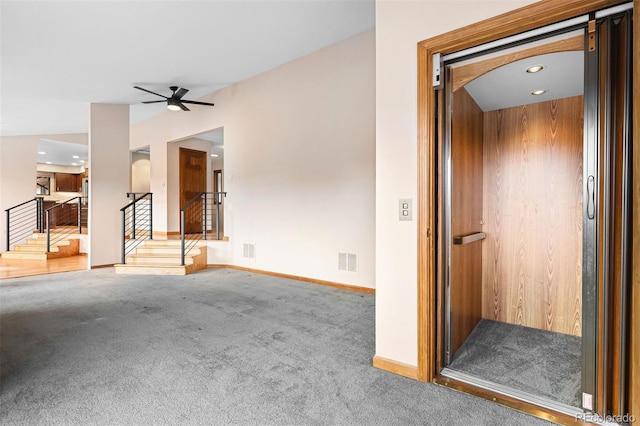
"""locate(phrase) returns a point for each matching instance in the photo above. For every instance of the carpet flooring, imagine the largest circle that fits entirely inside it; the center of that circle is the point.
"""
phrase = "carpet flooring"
(540, 362)
(220, 346)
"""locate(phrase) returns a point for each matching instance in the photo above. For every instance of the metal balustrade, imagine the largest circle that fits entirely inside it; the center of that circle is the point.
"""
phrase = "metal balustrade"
(200, 219)
(22, 220)
(137, 222)
(62, 220)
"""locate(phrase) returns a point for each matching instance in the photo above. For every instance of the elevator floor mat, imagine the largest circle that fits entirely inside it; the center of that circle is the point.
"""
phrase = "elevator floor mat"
(540, 362)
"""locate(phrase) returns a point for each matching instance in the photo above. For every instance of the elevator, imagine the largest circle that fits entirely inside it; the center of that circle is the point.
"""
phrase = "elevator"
(532, 195)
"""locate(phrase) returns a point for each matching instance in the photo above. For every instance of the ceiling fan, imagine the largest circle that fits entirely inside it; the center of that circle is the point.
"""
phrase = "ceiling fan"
(175, 101)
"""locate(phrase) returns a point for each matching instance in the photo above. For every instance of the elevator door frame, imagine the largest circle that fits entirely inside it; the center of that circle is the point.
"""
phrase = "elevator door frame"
(429, 294)
(589, 244)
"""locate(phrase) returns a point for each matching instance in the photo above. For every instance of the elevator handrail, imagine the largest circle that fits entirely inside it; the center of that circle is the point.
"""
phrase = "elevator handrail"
(467, 239)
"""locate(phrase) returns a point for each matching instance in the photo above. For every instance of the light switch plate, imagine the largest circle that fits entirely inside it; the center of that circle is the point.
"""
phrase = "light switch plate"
(405, 209)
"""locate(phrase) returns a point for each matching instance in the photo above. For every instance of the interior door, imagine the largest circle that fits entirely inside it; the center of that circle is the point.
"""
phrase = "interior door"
(466, 177)
(193, 181)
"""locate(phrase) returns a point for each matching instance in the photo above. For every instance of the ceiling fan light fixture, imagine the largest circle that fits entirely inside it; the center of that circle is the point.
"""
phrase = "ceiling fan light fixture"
(175, 102)
(173, 105)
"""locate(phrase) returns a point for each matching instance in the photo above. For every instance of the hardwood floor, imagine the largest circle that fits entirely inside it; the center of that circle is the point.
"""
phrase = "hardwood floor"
(10, 268)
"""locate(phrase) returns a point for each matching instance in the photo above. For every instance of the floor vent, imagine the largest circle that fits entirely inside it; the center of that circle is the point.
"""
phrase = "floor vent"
(249, 251)
(347, 262)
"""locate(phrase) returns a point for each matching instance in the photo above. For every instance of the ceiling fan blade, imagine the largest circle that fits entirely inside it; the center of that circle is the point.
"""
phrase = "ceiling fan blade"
(152, 102)
(180, 93)
(197, 103)
(149, 91)
(184, 108)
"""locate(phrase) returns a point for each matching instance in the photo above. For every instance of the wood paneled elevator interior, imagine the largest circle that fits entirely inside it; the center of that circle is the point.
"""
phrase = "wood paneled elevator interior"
(532, 219)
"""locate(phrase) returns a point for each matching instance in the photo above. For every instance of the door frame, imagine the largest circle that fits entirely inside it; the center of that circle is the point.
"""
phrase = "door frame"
(527, 18)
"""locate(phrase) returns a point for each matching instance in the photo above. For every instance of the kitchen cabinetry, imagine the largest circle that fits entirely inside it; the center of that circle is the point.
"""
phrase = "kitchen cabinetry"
(67, 182)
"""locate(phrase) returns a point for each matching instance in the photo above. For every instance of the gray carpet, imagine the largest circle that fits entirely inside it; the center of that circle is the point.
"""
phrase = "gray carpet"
(541, 362)
(217, 347)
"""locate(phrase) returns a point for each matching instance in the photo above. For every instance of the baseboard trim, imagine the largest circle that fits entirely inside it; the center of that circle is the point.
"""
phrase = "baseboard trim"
(396, 367)
(108, 265)
(298, 278)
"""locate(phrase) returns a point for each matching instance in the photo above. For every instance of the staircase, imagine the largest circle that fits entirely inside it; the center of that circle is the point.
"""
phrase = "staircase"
(162, 257)
(36, 248)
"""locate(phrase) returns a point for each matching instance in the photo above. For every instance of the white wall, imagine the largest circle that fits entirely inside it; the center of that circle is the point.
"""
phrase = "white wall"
(400, 25)
(217, 164)
(108, 180)
(18, 157)
(299, 161)
(140, 172)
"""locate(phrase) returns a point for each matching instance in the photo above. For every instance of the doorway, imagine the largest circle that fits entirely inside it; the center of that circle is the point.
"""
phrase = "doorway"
(518, 211)
(512, 196)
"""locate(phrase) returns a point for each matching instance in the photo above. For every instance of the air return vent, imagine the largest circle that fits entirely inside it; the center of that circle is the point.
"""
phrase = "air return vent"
(347, 262)
(249, 251)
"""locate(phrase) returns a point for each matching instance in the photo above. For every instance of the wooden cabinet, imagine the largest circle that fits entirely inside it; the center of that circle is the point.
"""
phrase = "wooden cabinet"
(66, 182)
(64, 215)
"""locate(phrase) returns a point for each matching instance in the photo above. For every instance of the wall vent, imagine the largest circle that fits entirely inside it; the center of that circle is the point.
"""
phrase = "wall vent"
(347, 262)
(249, 251)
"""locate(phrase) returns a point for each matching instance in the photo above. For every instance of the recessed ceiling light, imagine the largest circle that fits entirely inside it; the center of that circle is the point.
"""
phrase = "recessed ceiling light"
(48, 162)
(75, 156)
(215, 155)
(539, 92)
(74, 164)
(41, 152)
(534, 69)
(82, 161)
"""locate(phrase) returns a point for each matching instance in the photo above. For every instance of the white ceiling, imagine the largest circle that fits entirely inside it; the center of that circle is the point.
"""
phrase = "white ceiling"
(61, 153)
(510, 85)
(59, 56)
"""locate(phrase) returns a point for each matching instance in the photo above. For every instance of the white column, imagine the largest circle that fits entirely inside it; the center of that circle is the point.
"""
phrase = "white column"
(109, 172)
(18, 160)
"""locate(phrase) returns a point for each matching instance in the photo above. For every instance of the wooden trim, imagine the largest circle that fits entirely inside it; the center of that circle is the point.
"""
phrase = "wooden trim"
(396, 367)
(298, 278)
(107, 265)
(466, 73)
(519, 20)
(426, 219)
(634, 344)
(507, 401)
(524, 19)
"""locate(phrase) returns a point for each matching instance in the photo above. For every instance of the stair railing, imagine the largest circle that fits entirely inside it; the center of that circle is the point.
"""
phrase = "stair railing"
(198, 218)
(62, 220)
(22, 220)
(137, 221)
